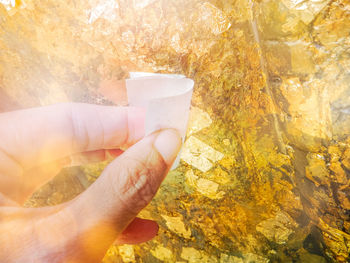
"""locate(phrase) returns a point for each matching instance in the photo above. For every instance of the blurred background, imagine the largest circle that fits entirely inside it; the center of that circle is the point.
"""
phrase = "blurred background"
(265, 170)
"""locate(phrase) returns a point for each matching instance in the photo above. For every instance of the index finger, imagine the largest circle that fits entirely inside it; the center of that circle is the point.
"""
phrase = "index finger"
(40, 135)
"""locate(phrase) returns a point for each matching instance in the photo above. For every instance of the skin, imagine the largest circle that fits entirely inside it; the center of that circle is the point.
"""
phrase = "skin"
(36, 143)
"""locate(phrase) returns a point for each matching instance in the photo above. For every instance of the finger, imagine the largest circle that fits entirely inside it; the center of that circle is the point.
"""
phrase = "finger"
(4, 201)
(7, 103)
(138, 231)
(93, 157)
(126, 186)
(33, 179)
(41, 135)
(20, 188)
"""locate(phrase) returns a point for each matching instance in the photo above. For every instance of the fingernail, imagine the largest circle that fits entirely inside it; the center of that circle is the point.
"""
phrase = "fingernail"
(168, 144)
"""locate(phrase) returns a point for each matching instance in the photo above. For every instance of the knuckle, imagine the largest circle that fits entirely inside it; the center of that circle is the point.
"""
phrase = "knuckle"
(139, 181)
(80, 135)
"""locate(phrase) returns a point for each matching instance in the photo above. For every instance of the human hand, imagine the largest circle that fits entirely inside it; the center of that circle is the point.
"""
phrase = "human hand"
(36, 143)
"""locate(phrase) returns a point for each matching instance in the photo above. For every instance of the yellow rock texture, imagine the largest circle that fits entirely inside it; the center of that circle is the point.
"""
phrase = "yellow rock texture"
(265, 169)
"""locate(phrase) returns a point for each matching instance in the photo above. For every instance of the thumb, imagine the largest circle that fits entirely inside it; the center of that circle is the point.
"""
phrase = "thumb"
(125, 187)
